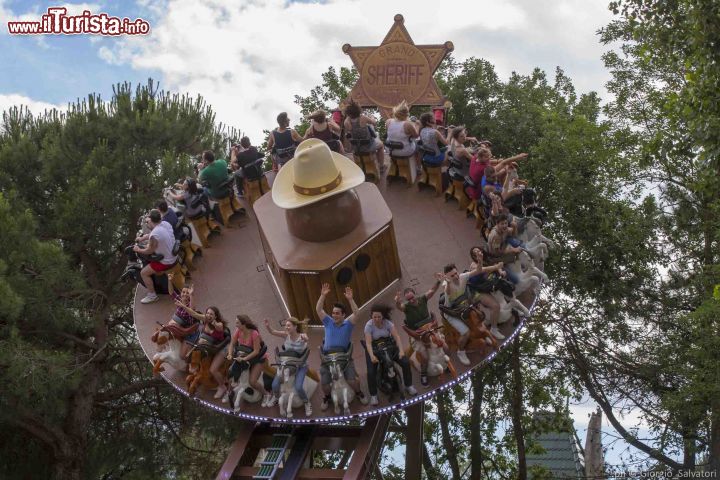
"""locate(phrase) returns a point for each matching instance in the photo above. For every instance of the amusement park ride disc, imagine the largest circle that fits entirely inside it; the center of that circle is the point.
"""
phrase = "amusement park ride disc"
(234, 276)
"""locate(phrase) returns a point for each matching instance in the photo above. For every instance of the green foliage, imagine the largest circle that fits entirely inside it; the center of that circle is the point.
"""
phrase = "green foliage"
(73, 187)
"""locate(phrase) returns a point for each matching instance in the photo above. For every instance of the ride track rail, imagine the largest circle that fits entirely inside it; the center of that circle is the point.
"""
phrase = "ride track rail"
(401, 201)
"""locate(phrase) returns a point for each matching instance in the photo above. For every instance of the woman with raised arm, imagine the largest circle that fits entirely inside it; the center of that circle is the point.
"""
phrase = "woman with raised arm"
(325, 129)
(433, 140)
(381, 335)
(213, 331)
(458, 137)
(295, 341)
(248, 350)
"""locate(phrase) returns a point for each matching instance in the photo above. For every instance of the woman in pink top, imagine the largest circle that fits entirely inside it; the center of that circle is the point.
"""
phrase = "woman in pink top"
(248, 351)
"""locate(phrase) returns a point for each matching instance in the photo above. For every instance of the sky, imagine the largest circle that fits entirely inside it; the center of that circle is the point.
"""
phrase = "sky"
(249, 58)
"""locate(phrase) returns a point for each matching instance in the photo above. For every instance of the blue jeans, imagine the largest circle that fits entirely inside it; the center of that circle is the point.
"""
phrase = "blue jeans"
(299, 380)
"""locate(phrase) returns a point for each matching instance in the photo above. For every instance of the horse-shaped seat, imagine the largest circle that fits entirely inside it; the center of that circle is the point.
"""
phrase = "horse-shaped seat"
(336, 360)
(468, 312)
(169, 338)
(427, 344)
(201, 357)
(288, 363)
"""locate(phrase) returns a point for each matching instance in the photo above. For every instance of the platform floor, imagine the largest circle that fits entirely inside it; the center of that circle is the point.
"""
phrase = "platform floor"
(231, 275)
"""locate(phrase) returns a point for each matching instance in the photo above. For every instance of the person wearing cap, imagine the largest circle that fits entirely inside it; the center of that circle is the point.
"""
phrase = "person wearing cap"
(282, 141)
(326, 130)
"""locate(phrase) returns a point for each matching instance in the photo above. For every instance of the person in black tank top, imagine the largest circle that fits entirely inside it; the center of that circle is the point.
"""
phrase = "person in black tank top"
(282, 142)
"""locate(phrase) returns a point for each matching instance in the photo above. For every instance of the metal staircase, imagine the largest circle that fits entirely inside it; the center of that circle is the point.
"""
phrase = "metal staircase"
(274, 455)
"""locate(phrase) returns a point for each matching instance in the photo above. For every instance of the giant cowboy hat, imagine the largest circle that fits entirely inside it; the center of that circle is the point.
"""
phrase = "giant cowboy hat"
(313, 174)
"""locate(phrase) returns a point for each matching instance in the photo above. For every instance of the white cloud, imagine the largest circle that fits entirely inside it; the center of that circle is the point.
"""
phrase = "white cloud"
(249, 58)
(36, 107)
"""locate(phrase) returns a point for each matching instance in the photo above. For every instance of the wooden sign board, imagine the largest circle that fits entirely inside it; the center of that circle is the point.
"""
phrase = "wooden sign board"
(397, 70)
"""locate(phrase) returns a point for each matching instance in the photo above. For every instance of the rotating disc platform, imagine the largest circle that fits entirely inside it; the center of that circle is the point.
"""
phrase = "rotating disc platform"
(233, 275)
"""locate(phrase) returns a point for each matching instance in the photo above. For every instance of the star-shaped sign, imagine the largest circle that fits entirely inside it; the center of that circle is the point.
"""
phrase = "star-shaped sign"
(397, 70)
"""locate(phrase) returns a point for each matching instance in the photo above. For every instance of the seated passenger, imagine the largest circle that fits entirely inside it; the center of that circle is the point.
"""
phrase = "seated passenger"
(212, 331)
(381, 328)
(360, 128)
(432, 139)
(325, 129)
(248, 352)
(457, 148)
(215, 175)
(457, 296)
(282, 142)
(160, 242)
(401, 130)
(244, 162)
(295, 341)
(417, 314)
(168, 214)
(193, 200)
(182, 317)
(338, 336)
(484, 284)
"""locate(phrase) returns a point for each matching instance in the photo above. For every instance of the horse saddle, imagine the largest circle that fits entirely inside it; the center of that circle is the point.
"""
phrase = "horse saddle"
(422, 329)
(292, 353)
(285, 153)
(337, 354)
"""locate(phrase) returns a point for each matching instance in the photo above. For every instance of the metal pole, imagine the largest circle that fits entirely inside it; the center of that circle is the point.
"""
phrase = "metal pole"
(414, 441)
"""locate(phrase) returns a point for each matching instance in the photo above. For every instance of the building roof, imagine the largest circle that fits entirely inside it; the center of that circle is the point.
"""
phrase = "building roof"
(560, 456)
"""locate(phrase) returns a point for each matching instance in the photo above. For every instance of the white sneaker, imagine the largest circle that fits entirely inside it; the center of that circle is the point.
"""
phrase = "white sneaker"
(373, 400)
(308, 409)
(272, 401)
(265, 400)
(411, 391)
(462, 356)
(496, 333)
(150, 298)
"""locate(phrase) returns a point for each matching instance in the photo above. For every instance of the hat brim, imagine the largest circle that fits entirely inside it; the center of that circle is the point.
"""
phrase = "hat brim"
(285, 196)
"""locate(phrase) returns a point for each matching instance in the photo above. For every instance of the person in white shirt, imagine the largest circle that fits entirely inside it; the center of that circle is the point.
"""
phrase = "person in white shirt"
(161, 242)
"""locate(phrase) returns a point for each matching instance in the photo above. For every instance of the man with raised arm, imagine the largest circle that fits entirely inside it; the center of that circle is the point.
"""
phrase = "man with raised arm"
(417, 314)
(456, 295)
(338, 336)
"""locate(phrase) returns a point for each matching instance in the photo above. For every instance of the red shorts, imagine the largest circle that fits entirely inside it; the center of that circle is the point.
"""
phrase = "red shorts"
(160, 267)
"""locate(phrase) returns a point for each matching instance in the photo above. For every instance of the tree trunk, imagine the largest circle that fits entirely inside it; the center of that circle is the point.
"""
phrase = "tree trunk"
(450, 451)
(476, 459)
(517, 398)
(69, 462)
(430, 471)
(714, 464)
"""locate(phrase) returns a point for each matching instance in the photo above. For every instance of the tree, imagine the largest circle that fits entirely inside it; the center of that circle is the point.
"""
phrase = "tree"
(74, 186)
